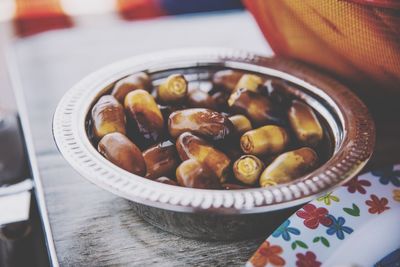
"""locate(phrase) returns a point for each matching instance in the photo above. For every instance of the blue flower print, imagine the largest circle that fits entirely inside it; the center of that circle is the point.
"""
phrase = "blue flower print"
(388, 175)
(284, 230)
(337, 227)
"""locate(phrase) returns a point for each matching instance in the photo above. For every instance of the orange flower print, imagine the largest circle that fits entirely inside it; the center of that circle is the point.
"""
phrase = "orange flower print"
(267, 255)
(396, 195)
(377, 205)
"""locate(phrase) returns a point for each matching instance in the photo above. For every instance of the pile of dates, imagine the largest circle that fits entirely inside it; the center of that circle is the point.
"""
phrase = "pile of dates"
(241, 130)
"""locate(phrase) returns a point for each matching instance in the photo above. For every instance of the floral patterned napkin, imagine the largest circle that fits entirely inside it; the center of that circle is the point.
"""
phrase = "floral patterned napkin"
(317, 233)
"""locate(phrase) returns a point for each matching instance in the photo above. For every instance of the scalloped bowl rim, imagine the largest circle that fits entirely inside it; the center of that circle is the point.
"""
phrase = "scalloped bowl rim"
(73, 143)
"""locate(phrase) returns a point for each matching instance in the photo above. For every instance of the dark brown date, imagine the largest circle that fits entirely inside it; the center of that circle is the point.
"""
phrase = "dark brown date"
(121, 151)
(228, 79)
(135, 81)
(191, 173)
(205, 122)
(108, 116)
(143, 110)
(257, 107)
(161, 159)
(190, 146)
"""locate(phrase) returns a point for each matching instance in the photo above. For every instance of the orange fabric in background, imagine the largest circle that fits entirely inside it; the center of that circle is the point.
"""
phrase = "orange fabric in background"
(358, 42)
(139, 9)
(34, 16)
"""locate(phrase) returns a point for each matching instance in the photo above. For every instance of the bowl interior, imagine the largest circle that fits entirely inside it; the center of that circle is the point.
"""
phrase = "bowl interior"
(201, 75)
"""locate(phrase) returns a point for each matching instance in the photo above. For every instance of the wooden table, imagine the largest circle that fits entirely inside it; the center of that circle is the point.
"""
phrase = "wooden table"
(92, 227)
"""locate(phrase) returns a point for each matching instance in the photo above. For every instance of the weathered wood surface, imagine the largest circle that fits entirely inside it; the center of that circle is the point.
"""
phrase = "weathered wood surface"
(92, 227)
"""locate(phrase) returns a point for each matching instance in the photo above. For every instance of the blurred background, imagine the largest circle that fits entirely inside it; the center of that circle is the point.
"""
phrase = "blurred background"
(355, 41)
(20, 19)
